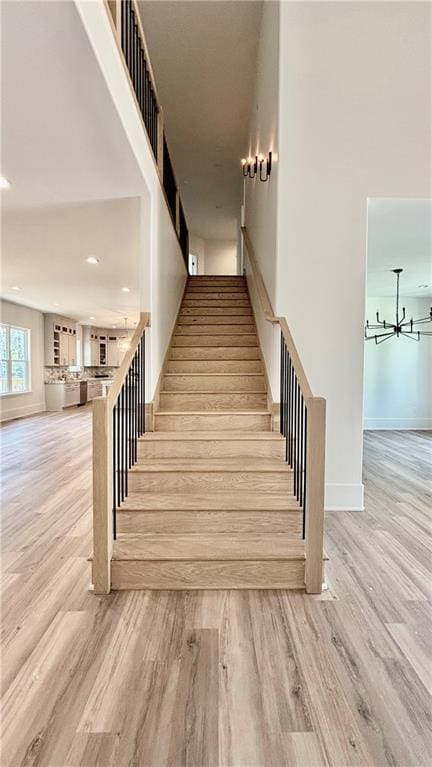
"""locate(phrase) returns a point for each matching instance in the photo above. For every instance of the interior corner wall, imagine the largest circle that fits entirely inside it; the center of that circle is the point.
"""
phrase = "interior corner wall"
(16, 406)
(398, 373)
(221, 257)
(354, 123)
(197, 248)
(165, 266)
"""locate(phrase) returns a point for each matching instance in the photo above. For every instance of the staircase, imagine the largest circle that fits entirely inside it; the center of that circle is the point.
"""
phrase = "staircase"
(210, 502)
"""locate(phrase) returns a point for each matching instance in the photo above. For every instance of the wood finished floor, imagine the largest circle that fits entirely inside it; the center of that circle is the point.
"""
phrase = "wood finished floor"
(236, 679)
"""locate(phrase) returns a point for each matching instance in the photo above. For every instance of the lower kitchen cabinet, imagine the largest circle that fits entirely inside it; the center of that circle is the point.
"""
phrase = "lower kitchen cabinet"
(62, 394)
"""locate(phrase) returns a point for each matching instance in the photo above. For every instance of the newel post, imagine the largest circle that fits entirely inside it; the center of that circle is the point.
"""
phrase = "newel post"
(102, 496)
(315, 478)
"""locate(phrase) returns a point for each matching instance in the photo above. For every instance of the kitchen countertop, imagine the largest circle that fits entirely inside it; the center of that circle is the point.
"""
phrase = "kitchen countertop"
(79, 380)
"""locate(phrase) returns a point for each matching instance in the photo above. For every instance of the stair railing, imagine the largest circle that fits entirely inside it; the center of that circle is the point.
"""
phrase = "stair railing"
(302, 423)
(118, 422)
(128, 31)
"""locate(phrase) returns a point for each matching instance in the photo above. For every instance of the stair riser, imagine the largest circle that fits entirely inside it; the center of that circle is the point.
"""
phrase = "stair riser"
(277, 574)
(215, 304)
(216, 295)
(216, 401)
(209, 481)
(208, 319)
(215, 353)
(216, 311)
(238, 340)
(217, 383)
(212, 449)
(219, 289)
(214, 366)
(286, 523)
(212, 422)
(215, 329)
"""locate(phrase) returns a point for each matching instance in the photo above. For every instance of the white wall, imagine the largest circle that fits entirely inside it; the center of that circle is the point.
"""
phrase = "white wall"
(261, 198)
(197, 248)
(220, 257)
(398, 372)
(354, 95)
(14, 406)
(163, 272)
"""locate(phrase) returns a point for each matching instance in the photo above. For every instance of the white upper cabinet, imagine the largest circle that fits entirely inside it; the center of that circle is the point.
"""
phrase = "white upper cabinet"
(60, 341)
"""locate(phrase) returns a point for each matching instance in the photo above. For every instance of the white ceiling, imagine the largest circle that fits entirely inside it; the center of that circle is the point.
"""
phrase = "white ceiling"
(44, 252)
(62, 143)
(399, 236)
(204, 58)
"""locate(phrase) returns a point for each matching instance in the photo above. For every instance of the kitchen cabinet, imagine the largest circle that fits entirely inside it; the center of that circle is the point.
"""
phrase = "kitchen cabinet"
(60, 341)
(72, 349)
(64, 349)
(60, 394)
(94, 389)
(102, 348)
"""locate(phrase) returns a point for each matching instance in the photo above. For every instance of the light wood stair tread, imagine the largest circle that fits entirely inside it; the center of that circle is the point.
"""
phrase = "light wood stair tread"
(258, 411)
(155, 436)
(212, 464)
(216, 375)
(220, 501)
(210, 546)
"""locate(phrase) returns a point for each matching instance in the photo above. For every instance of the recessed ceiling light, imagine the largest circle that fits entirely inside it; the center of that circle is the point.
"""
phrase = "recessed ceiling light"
(4, 183)
(92, 318)
(92, 260)
(126, 290)
(56, 303)
(113, 326)
(15, 287)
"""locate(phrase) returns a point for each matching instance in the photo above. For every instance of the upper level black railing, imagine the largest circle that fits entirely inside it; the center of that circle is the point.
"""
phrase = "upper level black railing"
(293, 425)
(184, 236)
(134, 52)
(128, 424)
(137, 65)
(169, 182)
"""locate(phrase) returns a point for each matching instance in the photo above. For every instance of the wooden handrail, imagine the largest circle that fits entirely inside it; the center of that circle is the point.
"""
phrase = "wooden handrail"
(102, 467)
(314, 479)
(260, 285)
(121, 373)
(270, 316)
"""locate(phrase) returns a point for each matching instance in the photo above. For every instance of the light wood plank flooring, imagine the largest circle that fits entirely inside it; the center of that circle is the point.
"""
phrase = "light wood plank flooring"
(207, 679)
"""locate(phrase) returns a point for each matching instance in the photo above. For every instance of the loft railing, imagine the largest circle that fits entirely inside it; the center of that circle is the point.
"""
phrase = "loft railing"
(129, 34)
(302, 423)
(118, 422)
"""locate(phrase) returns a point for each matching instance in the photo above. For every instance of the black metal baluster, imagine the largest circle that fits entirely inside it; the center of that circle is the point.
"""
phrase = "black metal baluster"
(286, 398)
(298, 441)
(295, 438)
(291, 442)
(281, 384)
(301, 450)
(122, 461)
(143, 380)
(136, 407)
(304, 478)
(114, 469)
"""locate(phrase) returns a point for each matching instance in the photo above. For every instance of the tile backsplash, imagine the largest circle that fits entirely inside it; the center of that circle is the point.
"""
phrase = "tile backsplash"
(68, 374)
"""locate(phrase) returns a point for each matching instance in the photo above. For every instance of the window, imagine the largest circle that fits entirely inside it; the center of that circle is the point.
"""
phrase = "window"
(14, 360)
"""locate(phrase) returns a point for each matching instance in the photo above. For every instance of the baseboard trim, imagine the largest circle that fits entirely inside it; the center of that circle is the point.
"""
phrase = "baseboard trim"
(340, 497)
(397, 424)
(22, 412)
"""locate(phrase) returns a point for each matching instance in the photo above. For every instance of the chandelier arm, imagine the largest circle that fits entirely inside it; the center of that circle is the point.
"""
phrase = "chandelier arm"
(383, 337)
(411, 334)
(422, 320)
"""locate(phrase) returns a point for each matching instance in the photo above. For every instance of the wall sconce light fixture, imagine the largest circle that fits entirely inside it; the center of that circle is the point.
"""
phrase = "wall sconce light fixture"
(250, 166)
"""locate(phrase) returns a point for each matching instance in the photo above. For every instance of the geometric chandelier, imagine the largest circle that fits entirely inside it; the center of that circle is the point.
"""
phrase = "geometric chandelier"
(400, 327)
